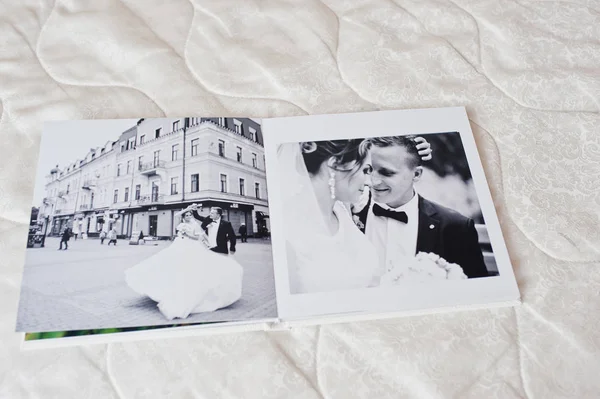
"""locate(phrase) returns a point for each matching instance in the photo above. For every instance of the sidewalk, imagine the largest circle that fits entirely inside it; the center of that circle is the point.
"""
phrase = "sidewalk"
(84, 287)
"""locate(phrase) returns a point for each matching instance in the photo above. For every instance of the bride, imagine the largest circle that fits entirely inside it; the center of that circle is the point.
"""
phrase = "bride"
(325, 249)
(187, 277)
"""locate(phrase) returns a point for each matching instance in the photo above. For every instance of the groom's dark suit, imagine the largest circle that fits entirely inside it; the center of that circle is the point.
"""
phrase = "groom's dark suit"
(446, 233)
(224, 234)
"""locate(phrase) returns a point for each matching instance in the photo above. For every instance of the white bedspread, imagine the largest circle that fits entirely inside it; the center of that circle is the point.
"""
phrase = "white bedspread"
(529, 73)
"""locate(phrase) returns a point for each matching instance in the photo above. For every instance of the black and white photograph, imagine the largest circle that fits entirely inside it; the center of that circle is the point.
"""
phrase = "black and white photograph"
(394, 211)
(368, 192)
(148, 222)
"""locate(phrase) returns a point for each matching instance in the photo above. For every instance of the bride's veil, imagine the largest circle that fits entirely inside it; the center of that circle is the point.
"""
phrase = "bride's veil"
(303, 219)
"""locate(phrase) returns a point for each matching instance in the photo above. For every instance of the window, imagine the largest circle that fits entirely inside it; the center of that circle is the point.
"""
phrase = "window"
(140, 162)
(237, 126)
(118, 169)
(254, 161)
(142, 139)
(126, 194)
(68, 187)
(93, 156)
(223, 183)
(174, 151)
(175, 126)
(138, 189)
(195, 183)
(253, 135)
(129, 167)
(257, 190)
(157, 132)
(222, 122)
(194, 147)
(122, 147)
(242, 186)
(221, 148)
(239, 154)
(174, 181)
(131, 143)
(154, 192)
(156, 158)
(116, 197)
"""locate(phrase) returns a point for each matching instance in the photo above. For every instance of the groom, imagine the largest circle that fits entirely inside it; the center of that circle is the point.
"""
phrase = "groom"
(402, 223)
(219, 231)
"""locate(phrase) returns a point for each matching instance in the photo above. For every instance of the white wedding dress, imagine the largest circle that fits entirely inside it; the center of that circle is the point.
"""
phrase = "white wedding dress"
(187, 277)
(319, 261)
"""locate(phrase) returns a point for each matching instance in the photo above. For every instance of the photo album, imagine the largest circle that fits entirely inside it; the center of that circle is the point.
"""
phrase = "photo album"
(166, 227)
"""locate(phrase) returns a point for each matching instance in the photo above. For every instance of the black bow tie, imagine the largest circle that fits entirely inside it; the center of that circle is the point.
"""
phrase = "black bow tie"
(396, 215)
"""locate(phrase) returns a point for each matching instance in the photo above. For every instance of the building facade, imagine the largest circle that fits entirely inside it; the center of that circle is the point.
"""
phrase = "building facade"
(155, 169)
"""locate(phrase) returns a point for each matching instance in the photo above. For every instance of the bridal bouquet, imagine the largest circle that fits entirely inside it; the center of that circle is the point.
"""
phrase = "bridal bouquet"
(423, 267)
(183, 230)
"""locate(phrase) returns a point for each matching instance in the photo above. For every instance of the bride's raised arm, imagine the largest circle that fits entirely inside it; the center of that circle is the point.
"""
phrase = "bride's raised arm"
(183, 211)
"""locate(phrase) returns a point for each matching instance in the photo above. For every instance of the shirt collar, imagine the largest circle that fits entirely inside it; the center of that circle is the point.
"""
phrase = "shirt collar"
(410, 207)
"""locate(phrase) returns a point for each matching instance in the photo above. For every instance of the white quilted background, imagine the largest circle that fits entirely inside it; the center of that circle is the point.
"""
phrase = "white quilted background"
(528, 72)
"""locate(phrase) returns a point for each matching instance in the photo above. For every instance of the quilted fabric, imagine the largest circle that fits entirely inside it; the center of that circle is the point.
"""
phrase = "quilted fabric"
(528, 72)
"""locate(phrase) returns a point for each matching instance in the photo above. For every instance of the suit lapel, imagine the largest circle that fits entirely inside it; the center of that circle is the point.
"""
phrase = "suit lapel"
(429, 226)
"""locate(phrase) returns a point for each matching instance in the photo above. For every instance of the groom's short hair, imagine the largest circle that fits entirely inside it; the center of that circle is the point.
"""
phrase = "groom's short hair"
(407, 142)
(219, 210)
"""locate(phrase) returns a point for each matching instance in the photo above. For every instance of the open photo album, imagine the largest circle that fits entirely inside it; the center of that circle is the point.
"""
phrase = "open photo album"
(149, 228)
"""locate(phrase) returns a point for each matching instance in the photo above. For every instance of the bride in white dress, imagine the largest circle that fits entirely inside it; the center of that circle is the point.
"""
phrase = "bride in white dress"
(187, 277)
(325, 249)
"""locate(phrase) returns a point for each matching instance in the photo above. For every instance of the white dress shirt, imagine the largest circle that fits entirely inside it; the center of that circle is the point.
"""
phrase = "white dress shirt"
(213, 229)
(393, 239)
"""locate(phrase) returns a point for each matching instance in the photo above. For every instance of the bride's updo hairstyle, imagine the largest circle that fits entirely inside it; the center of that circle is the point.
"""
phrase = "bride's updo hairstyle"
(348, 155)
(182, 217)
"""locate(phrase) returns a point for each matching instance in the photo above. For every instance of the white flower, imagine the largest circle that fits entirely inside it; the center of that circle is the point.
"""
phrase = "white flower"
(357, 222)
(423, 267)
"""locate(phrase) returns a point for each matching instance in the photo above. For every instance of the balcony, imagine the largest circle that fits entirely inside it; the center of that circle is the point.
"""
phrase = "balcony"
(151, 168)
(62, 194)
(151, 199)
(88, 184)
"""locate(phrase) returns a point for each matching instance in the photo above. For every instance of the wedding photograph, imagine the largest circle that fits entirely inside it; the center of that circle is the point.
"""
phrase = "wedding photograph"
(368, 218)
(148, 222)
(393, 209)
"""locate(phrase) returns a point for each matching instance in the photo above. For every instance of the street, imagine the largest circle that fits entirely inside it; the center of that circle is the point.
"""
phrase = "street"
(84, 287)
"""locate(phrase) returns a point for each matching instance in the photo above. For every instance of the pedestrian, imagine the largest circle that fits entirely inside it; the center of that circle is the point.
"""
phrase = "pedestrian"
(244, 232)
(102, 237)
(65, 239)
(112, 236)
